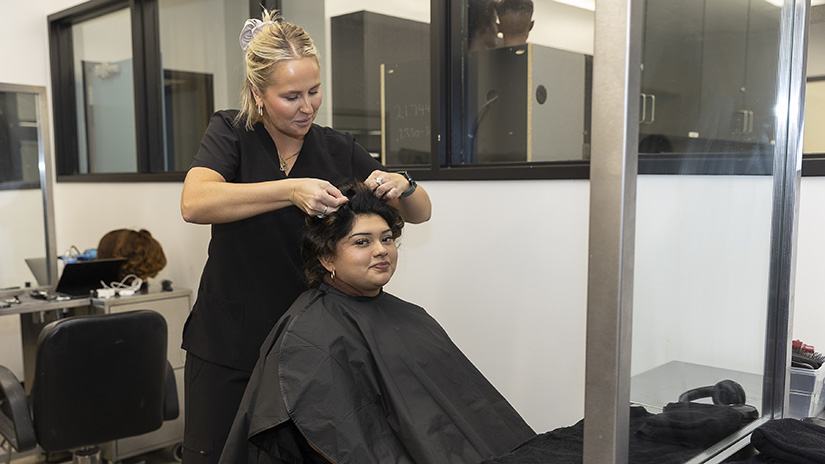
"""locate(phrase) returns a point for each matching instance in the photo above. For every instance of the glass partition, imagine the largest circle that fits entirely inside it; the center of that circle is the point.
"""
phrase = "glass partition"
(708, 77)
(523, 95)
(529, 73)
(197, 80)
(708, 249)
(105, 92)
(376, 72)
(691, 276)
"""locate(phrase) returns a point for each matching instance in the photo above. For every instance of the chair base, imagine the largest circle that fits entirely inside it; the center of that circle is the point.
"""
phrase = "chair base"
(90, 455)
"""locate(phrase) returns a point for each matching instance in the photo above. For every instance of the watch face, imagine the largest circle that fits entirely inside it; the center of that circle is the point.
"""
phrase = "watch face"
(413, 185)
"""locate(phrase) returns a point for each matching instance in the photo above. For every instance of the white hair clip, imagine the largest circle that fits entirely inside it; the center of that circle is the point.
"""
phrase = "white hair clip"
(250, 29)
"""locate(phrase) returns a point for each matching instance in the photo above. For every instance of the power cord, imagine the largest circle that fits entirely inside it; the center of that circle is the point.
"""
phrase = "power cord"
(120, 288)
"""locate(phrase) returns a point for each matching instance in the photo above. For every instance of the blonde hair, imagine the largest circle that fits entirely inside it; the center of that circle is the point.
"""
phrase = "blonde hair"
(274, 42)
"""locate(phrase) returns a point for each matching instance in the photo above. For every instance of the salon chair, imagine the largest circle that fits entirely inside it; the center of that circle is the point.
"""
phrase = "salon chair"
(97, 378)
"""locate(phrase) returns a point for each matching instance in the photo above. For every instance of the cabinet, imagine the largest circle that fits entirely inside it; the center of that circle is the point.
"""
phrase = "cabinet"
(708, 76)
(671, 77)
(526, 103)
(174, 307)
(361, 42)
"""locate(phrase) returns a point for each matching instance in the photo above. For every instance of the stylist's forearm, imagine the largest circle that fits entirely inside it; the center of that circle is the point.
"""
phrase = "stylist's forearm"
(221, 202)
(416, 208)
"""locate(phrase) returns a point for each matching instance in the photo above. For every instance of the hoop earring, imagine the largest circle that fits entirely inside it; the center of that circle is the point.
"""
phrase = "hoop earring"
(333, 274)
(260, 111)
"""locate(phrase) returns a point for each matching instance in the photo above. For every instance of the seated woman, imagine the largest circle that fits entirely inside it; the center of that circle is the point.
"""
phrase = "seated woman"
(352, 374)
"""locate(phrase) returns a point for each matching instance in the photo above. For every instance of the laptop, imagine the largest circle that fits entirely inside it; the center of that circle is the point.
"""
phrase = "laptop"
(80, 278)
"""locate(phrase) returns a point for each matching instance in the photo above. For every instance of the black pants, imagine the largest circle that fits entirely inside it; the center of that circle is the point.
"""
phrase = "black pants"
(212, 395)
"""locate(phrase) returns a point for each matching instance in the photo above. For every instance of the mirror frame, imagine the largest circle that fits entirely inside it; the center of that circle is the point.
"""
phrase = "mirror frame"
(44, 163)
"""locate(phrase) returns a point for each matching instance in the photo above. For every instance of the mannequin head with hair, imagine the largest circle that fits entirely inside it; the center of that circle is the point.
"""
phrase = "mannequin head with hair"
(144, 255)
(481, 25)
(515, 18)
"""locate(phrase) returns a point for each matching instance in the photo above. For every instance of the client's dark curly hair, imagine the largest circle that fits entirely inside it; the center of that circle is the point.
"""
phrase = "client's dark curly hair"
(321, 235)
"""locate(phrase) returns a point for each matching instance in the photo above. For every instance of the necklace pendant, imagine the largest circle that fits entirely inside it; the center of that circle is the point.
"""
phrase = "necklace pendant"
(283, 166)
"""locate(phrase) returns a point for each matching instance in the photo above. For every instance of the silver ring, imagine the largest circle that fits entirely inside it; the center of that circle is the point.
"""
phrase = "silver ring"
(321, 216)
(379, 180)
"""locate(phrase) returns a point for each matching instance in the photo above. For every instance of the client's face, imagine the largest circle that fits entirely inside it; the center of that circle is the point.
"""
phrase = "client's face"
(366, 257)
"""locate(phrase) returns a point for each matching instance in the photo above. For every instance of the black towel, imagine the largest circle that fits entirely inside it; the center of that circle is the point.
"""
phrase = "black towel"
(565, 446)
(790, 441)
(691, 424)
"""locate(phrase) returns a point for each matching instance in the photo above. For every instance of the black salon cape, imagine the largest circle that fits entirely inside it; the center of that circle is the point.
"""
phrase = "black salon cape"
(368, 380)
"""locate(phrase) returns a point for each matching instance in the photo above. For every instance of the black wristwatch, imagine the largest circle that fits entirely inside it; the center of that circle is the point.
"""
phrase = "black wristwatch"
(413, 185)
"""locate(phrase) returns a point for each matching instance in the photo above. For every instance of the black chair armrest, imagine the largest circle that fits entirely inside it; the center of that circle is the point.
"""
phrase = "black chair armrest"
(15, 419)
(171, 407)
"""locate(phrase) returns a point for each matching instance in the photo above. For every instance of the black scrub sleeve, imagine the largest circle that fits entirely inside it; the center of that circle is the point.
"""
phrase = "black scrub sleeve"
(220, 146)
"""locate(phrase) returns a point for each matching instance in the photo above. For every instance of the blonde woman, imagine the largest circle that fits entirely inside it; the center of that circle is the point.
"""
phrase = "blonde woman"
(258, 173)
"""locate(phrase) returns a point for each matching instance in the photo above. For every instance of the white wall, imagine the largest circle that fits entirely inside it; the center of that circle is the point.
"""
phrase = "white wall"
(503, 267)
(502, 264)
(701, 271)
(21, 21)
(562, 26)
(28, 241)
(809, 315)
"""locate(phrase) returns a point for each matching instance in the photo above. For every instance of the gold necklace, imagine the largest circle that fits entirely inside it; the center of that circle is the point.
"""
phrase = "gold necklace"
(284, 160)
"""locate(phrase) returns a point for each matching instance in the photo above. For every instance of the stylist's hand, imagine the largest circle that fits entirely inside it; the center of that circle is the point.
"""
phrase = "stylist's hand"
(317, 197)
(387, 185)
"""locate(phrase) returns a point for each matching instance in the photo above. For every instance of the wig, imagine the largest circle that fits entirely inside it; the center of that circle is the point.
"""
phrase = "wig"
(144, 255)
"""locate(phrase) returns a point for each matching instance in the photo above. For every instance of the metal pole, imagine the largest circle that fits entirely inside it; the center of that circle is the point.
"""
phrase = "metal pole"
(791, 77)
(613, 169)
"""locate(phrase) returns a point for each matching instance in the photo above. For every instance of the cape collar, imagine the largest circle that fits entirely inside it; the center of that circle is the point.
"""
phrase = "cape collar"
(344, 288)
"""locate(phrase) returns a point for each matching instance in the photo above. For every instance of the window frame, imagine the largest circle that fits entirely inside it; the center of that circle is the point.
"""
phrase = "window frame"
(148, 91)
(448, 23)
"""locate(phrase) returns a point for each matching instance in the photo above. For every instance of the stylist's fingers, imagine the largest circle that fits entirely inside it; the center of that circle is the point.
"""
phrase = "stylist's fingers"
(317, 197)
(386, 185)
(331, 200)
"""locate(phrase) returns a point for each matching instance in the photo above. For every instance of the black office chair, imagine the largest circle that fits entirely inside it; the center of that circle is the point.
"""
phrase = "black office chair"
(97, 379)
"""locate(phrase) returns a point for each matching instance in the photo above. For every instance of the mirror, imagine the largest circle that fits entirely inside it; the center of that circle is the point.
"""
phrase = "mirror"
(27, 236)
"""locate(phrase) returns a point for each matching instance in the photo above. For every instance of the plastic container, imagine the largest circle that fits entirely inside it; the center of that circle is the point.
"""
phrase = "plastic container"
(806, 392)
